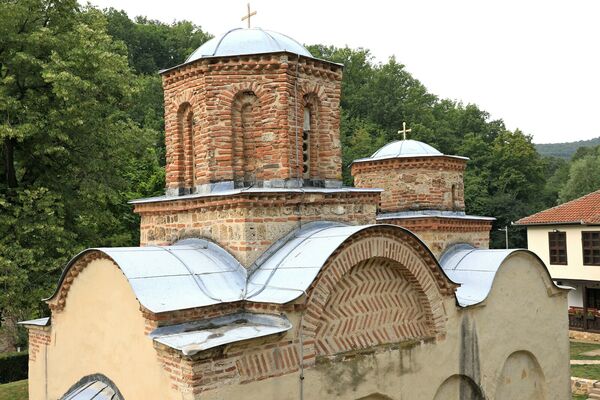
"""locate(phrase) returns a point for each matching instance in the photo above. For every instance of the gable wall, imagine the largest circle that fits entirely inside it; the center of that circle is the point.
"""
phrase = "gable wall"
(100, 330)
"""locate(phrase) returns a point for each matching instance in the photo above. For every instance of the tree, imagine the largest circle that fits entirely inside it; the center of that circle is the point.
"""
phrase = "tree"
(583, 177)
(72, 154)
(153, 45)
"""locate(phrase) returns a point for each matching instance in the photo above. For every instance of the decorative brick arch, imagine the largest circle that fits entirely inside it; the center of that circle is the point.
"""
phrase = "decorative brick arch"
(381, 286)
(313, 88)
(185, 148)
(226, 98)
(245, 104)
(326, 149)
(314, 104)
(58, 300)
(186, 96)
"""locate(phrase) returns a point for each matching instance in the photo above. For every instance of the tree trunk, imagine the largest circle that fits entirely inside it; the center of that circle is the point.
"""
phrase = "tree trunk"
(10, 175)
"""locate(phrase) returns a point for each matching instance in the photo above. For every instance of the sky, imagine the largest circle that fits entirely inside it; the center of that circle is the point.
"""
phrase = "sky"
(533, 63)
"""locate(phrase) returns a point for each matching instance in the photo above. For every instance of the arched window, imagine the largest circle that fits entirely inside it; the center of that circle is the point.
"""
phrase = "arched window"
(306, 149)
(454, 197)
(186, 159)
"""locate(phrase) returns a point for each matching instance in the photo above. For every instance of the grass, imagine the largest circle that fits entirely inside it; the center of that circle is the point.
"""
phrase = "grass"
(14, 391)
(579, 347)
(579, 397)
(586, 371)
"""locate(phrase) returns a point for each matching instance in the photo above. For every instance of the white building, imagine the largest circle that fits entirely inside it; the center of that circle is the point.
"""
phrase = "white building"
(567, 239)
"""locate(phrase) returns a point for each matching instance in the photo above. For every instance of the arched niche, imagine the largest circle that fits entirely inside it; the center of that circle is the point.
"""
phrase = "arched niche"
(521, 378)
(375, 396)
(246, 130)
(311, 137)
(459, 387)
(381, 286)
(185, 149)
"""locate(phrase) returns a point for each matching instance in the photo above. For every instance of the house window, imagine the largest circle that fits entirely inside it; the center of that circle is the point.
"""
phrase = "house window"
(558, 248)
(593, 298)
(591, 248)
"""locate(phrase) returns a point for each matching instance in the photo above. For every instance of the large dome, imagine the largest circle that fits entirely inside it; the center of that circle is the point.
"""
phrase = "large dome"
(248, 41)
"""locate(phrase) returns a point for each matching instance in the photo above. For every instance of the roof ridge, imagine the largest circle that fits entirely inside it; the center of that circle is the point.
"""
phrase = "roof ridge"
(560, 206)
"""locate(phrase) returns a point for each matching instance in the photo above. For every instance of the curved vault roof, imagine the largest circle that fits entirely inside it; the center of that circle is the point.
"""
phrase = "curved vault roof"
(197, 273)
(475, 270)
(241, 41)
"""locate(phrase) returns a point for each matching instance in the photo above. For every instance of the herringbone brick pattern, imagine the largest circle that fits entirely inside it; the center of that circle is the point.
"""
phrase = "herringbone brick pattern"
(371, 305)
(267, 363)
(382, 286)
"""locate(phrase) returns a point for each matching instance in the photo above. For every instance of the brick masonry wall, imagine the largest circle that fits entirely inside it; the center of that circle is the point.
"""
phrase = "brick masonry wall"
(439, 233)
(247, 224)
(374, 292)
(419, 183)
(251, 107)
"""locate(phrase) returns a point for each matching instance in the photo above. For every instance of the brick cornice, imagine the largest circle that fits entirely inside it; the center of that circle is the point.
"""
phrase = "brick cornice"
(251, 200)
(271, 62)
(433, 163)
(441, 224)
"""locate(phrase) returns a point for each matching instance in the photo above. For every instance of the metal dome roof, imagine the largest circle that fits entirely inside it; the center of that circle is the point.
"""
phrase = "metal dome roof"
(241, 41)
(406, 148)
(401, 148)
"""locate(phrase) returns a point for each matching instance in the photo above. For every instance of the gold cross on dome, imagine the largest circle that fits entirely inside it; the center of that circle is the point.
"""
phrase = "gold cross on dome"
(247, 16)
(404, 131)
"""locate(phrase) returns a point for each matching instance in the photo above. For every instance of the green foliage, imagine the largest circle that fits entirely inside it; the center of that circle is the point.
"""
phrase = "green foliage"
(78, 131)
(565, 150)
(13, 366)
(153, 45)
(583, 176)
(505, 174)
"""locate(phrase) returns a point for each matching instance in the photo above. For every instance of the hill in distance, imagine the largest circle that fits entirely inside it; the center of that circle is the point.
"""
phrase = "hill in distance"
(565, 150)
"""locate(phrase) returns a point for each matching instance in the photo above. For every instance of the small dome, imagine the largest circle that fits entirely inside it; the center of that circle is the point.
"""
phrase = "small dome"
(405, 148)
(248, 41)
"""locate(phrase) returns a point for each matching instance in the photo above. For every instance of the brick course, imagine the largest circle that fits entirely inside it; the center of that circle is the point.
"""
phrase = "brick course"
(245, 115)
(248, 223)
(39, 336)
(440, 233)
(414, 183)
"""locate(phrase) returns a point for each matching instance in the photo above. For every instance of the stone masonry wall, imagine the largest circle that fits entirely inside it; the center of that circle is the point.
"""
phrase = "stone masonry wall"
(247, 224)
(419, 183)
(439, 233)
(217, 92)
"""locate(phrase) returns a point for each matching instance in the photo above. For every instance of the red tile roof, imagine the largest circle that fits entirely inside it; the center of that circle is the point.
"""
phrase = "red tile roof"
(584, 210)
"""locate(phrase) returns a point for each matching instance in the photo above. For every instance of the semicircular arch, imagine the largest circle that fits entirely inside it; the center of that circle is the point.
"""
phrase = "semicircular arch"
(458, 387)
(382, 285)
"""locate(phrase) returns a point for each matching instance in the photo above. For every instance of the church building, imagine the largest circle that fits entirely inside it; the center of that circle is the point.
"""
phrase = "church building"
(261, 276)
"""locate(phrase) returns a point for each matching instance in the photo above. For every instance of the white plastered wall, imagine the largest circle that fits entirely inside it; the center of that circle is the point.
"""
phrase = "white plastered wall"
(101, 331)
